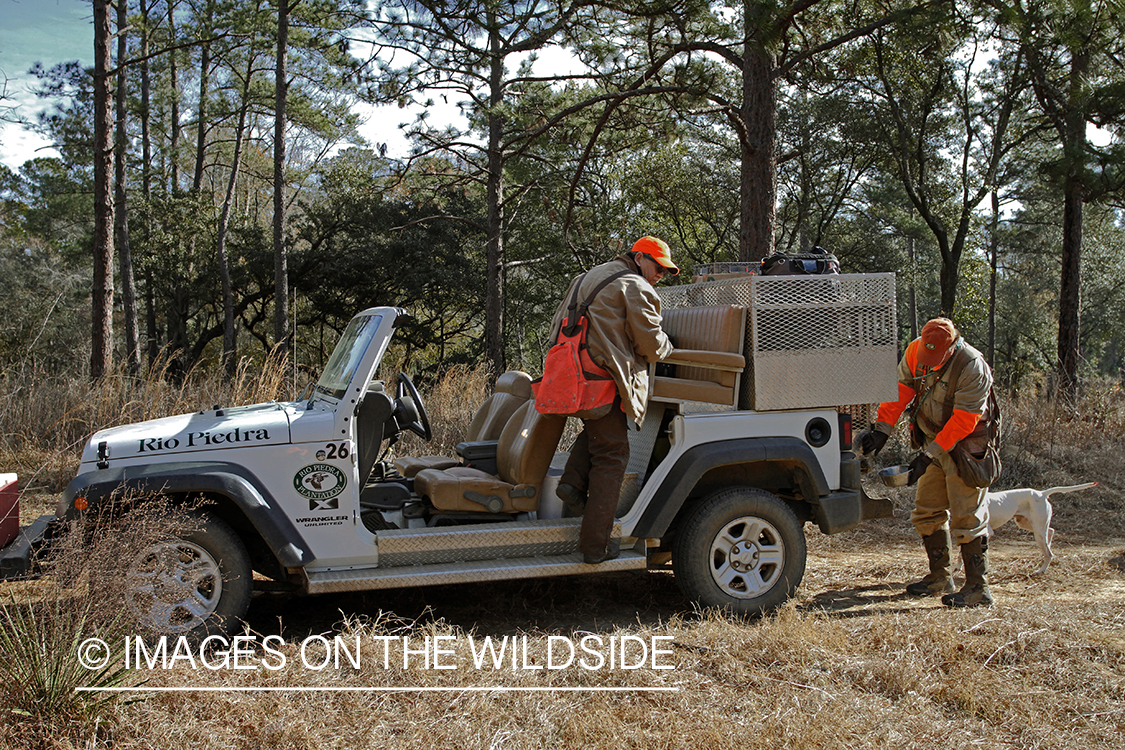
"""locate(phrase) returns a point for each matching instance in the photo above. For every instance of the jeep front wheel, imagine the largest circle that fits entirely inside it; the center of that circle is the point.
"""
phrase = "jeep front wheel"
(741, 550)
(197, 583)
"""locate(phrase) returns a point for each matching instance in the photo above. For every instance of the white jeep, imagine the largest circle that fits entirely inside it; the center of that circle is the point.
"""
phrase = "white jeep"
(743, 444)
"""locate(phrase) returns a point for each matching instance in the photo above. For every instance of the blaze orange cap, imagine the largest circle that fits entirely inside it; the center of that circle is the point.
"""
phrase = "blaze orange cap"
(938, 338)
(658, 250)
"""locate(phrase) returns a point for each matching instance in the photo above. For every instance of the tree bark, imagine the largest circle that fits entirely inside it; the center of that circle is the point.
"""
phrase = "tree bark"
(1074, 195)
(152, 345)
(121, 223)
(101, 303)
(993, 251)
(758, 208)
(1070, 290)
(204, 85)
(229, 343)
(494, 251)
(912, 296)
(280, 260)
(174, 81)
(948, 277)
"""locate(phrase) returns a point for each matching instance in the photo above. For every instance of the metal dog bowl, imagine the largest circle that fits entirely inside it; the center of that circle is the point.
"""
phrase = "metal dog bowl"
(895, 476)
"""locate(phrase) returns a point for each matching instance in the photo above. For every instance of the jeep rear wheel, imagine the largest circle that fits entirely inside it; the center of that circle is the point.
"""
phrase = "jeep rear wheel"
(741, 550)
(197, 583)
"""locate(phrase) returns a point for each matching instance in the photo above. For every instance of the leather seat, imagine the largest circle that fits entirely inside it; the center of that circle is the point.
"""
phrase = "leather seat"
(513, 390)
(708, 357)
(523, 456)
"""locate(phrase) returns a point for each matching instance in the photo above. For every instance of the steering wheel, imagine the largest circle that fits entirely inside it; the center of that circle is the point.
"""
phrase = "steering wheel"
(405, 393)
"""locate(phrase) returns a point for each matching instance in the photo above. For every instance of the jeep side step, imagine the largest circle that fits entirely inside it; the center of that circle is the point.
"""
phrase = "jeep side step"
(467, 572)
(481, 541)
(15, 559)
(473, 552)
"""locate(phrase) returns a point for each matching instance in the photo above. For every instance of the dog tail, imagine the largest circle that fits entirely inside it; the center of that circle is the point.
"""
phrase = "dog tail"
(1072, 488)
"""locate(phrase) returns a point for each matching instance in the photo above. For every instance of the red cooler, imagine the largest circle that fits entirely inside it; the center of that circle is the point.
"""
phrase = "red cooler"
(9, 508)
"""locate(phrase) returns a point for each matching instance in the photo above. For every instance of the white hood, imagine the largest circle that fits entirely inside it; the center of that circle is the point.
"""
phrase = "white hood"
(236, 427)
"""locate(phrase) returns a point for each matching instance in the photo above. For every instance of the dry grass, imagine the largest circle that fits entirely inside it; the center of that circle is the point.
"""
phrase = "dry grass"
(877, 671)
(81, 595)
(45, 421)
(849, 663)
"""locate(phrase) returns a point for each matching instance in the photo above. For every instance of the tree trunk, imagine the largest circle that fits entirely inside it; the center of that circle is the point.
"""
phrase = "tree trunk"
(1074, 196)
(758, 207)
(101, 303)
(494, 251)
(121, 223)
(174, 81)
(947, 278)
(912, 295)
(280, 261)
(152, 345)
(1069, 289)
(993, 250)
(229, 343)
(204, 84)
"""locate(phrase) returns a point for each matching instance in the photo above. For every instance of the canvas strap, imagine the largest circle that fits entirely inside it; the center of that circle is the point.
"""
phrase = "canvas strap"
(575, 311)
(957, 364)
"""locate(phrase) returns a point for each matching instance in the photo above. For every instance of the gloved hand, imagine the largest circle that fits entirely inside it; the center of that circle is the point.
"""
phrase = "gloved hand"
(872, 441)
(918, 467)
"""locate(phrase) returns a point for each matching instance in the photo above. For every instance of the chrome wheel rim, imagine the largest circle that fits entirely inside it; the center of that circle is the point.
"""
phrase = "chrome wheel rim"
(747, 557)
(174, 586)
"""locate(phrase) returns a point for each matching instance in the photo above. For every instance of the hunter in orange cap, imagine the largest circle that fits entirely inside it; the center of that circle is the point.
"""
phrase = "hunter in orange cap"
(945, 388)
(624, 336)
(658, 250)
(938, 338)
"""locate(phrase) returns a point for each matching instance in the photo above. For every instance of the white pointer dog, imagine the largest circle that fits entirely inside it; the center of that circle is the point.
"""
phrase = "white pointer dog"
(1032, 511)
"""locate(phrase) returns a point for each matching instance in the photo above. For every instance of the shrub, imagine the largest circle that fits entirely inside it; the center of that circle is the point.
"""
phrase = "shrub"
(47, 662)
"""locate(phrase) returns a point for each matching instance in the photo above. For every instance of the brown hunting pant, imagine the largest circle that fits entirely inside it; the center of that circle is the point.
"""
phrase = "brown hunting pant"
(943, 498)
(597, 466)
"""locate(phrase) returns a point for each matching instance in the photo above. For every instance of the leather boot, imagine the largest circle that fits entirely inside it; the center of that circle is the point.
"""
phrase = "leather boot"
(940, 578)
(574, 498)
(975, 592)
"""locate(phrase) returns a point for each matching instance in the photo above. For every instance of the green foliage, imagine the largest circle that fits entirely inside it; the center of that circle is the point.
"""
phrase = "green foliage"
(883, 145)
(40, 309)
(363, 246)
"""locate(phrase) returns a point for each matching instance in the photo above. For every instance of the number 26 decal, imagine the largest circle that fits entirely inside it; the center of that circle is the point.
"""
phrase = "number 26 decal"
(338, 450)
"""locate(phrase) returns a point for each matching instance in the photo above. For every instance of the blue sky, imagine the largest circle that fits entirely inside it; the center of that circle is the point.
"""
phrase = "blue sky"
(54, 31)
(47, 31)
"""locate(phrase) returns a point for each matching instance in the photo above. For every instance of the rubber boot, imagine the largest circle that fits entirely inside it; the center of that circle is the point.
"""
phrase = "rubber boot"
(940, 578)
(975, 592)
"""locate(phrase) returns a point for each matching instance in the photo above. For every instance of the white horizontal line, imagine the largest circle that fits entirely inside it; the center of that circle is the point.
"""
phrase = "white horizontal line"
(376, 689)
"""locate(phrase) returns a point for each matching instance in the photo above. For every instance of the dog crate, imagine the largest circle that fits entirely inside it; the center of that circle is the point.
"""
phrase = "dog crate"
(811, 341)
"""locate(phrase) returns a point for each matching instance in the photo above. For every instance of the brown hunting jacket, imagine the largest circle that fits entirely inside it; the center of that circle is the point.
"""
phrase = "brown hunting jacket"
(624, 334)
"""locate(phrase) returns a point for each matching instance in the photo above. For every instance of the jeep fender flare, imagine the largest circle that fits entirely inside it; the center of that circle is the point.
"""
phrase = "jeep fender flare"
(696, 461)
(198, 477)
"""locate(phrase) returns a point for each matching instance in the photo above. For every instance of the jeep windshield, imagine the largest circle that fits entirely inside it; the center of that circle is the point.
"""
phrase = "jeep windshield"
(347, 355)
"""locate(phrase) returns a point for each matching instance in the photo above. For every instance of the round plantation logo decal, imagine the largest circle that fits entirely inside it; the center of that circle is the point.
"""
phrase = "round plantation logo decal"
(319, 481)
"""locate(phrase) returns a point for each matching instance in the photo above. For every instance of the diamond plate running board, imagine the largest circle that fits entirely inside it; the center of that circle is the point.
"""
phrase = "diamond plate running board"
(485, 541)
(467, 572)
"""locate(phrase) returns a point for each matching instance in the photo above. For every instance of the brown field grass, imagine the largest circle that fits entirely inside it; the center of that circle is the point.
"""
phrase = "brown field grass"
(849, 663)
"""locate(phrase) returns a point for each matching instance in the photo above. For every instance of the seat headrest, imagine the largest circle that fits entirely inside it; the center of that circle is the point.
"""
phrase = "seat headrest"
(516, 383)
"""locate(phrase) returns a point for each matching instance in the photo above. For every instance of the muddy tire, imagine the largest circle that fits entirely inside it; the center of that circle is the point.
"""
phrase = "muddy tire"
(741, 550)
(196, 584)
